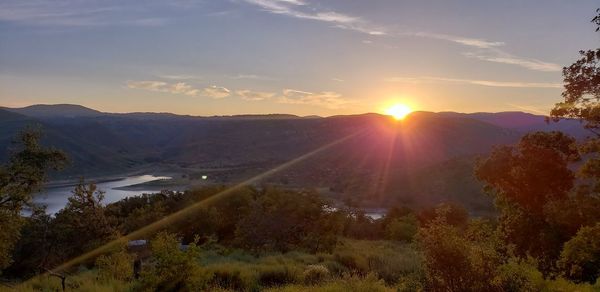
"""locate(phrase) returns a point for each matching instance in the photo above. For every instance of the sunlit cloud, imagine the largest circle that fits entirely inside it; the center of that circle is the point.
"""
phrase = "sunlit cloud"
(326, 99)
(179, 88)
(490, 83)
(254, 95)
(216, 92)
(338, 79)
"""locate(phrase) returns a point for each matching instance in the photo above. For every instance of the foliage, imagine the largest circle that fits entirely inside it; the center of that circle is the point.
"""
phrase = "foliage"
(315, 274)
(81, 226)
(117, 265)
(580, 257)
(173, 268)
(22, 176)
(402, 229)
(282, 221)
(456, 260)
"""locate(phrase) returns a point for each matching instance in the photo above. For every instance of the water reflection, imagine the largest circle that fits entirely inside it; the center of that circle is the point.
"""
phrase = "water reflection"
(56, 198)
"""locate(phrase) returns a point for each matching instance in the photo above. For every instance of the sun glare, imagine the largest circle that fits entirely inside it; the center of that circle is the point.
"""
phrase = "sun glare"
(398, 111)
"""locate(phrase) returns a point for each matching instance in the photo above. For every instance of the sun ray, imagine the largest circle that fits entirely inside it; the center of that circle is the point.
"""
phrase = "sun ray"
(176, 216)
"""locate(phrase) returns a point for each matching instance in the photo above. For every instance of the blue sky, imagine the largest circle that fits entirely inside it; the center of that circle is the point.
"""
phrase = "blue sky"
(290, 56)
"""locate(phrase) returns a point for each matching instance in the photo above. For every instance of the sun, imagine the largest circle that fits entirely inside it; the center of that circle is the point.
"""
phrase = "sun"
(398, 111)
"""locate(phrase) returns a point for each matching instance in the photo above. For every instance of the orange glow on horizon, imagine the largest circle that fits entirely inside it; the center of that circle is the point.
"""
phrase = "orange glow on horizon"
(398, 111)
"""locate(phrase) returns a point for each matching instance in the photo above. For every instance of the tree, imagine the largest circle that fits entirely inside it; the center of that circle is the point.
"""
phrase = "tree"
(525, 180)
(457, 259)
(403, 228)
(82, 225)
(284, 220)
(580, 257)
(173, 269)
(23, 175)
(582, 101)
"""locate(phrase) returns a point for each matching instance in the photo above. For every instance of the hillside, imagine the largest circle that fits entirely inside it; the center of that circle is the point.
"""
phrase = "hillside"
(423, 159)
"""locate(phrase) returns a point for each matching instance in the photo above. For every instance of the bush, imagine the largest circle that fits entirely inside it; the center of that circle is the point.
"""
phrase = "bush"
(118, 265)
(580, 257)
(277, 275)
(315, 274)
(233, 276)
(173, 269)
(402, 229)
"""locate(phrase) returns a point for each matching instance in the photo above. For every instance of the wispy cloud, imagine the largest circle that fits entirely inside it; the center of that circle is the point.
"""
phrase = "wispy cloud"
(300, 9)
(489, 50)
(74, 13)
(216, 92)
(326, 99)
(179, 88)
(498, 56)
(471, 42)
(254, 95)
(490, 83)
(251, 77)
(180, 77)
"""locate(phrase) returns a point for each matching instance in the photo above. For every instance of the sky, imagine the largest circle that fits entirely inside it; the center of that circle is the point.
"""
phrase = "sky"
(304, 57)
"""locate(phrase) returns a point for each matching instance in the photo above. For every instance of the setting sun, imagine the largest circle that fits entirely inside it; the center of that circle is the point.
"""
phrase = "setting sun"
(398, 111)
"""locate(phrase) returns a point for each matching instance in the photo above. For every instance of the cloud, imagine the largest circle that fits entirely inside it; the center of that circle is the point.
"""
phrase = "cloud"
(74, 13)
(216, 92)
(300, 9)
(179, 88)
(254, 95)
(471, 42)
(490, 50)
(326, 99)
(180, 77)
(474, 82)
(498, 56)
(251, 77)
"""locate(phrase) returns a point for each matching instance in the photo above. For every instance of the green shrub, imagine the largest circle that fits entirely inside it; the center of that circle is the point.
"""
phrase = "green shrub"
(315, 274)
(580, 257)
(118, 265)
(277, 275)
(233, 276)
(402, 229)
(172, 268)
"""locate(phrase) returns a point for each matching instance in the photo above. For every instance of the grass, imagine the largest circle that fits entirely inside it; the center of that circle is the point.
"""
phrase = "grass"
(354, 264)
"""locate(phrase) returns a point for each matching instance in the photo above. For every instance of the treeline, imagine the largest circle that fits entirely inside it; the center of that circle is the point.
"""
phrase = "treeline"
(546, 237)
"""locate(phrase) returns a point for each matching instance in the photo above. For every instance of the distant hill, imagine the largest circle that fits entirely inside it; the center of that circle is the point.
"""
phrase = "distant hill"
(56, 111)
(424, 159)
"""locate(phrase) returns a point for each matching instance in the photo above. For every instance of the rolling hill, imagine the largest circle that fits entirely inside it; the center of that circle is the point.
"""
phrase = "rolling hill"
(424, 159)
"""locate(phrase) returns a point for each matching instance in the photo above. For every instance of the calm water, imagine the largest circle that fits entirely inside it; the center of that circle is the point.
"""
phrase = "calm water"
(56, 198)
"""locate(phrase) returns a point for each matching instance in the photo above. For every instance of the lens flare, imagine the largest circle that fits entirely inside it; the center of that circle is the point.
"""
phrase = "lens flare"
(398, 111)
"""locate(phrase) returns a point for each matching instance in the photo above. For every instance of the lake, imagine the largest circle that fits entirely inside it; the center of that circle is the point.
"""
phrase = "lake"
(56, 198)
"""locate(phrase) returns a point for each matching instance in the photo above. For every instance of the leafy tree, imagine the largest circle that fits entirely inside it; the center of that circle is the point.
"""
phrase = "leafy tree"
(82, 225)
(456, 260)
(525, 180)
(454, 214)
(403, 228)
(285, 220)
(580, 257)
(172, 268)
(23, 175)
